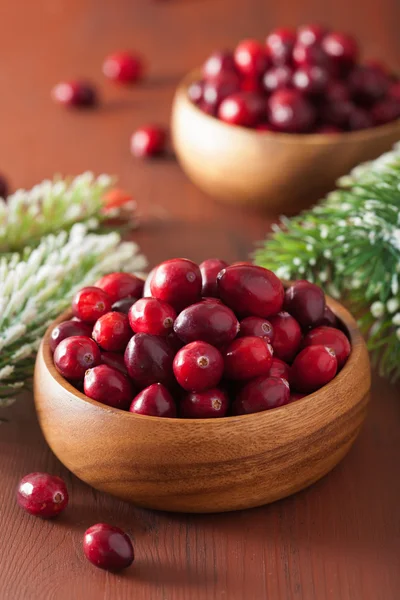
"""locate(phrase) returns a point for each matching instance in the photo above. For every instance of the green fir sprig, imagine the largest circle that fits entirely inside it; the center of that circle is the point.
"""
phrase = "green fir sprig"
(350, 244)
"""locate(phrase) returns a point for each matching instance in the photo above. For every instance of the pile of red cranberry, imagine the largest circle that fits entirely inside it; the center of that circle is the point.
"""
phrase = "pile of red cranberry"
(204, 341)
(304, 81)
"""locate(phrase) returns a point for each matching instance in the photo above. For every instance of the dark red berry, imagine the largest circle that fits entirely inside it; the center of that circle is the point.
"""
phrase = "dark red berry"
(68, 329)
(208, 321)
(311, 79)
(256, 326)
(250, 58)
(204, 405)
(154, 401)
(367, 85)
(112, 332)
(209, 270)
(385, 111)
(336, 112)
(121, 285)
(79, 94)
(243, 108)
(75, 355)
(280, 45)
(219, 63)
(123, 67)
(342, 50)
(250, 290)
(148, 141)
(336, 91)
(148, 359)
(195, 91)
(247, 357)
(150, 315)
(251, 84)
(279, 369)
(42, 495)
(277, 78)
(311, 56)
(108, 547)
(216, 90)
(393, 92)
(332, 338)
(305, 301)
(198, 367)
(108, 386)
(290, 112)
(91, 303)
(114, 360)
(123, 305)
(178, 282)
(313, 368)
(359, 118)
(329, 318)
(309, 35)
(287, 336)
(262, 394)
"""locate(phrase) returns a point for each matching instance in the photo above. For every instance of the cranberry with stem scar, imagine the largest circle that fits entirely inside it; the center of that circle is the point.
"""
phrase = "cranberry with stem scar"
(247, 357)
(287, 336)
(313, 368)
(154, 401)
(332, 338)
(108, 386)
(262, 393)
(204, 405)
(42, 495)
(256, 326)
(209, 270)
(68, 329)
(91, 303)
(198, 367)
(74, 355)
(178, 282)
(153, 316)
(108, 547)
(121, 285)
(112, 331)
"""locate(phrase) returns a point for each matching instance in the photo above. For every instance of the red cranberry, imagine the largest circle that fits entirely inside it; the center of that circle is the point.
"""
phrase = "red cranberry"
(313, 368)
(154, 401)
(150, 315)
(280, 45)
(261, 394)
(311, 56)
(329, 318)
(204, 405)
(195, 91)
(123, 67)
(385, 111)
(148, 359)
(108, 547)
(309, 35)
(277, 78)
(311, 79)
(251, 84)
(108, 386)
(198, 367)
(121, 285)
(3, 187)
(305, 301)
(146, 289)
(219, 63)
(68, 329)
(368, 84)
(250, 290)
(342, 50)
(328, 129)
(256, 326)
(336, 112)
(209, 270)
(296, 396)
(216, 90)
(112, 332)
(114, 360)
(42, 495)
(75, 355)
(91, 303)
(148, 141)
(336, 91)
(207, 109)
(242, 108)
(360, 118)
(178, 282)
(123, 305)
(279, 369)
(287, 336)
(247, 357)
(393, 92)
(210, 322)
(332, 338)
(290, 112)
(75, 93)
(250, 58)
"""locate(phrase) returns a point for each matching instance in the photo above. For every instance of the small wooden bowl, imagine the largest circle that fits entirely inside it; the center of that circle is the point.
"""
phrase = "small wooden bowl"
(207, 465)
(283, 173)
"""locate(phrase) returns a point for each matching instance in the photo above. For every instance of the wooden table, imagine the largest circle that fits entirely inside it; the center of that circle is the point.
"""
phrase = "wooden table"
(339, 540)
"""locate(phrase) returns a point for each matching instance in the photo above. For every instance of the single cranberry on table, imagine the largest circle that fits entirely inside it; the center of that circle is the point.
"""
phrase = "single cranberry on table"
(114, 360)
(311, 79)
(277, 78)
(256, 326)
(91, 303)
(251, 58)
(247, 357)
(75, 355)
(243, 108)
(108, 386)
(210, 404)
(332, 338)
(148, 359)
(262, 393)
(178, 282)
(367, 84)
(342, 50)
(42, 495)
(280, 44)
(121, 285)
(360, 118)
(79, 94)
(216, 90)
(208, 321)
(123, 305)
(108, 547)
(279, 369)
(124, 67)
(112, 332)
(209, 270)
(68, 329)
(385, 111)
(305, 301)
(153, 316)
(313, 367)
(154, 401)
(287, 336)
(218, 63)
(309, 35)
(198, 367)
(250, 290)
(195, 91)
(148, 141)
(290, 112)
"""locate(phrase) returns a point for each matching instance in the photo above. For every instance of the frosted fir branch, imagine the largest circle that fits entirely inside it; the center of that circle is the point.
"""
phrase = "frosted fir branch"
(350, 244)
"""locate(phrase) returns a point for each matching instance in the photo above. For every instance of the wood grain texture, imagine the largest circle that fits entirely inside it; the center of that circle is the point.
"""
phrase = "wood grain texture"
(337, 540)
(212, 465)
(275, 171)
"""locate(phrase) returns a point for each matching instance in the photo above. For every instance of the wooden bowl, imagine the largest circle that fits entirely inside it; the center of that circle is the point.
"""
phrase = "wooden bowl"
(282, 172)
(207, 465)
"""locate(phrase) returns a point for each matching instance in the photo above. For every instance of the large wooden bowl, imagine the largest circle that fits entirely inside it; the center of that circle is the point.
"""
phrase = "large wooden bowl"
(204, 465)
(282, 172)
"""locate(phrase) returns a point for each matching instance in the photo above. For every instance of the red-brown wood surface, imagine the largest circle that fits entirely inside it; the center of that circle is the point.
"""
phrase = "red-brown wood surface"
(339, 540)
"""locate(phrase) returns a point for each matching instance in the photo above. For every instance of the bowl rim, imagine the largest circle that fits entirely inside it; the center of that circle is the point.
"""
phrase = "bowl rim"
(344, 316)
(287, 138)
